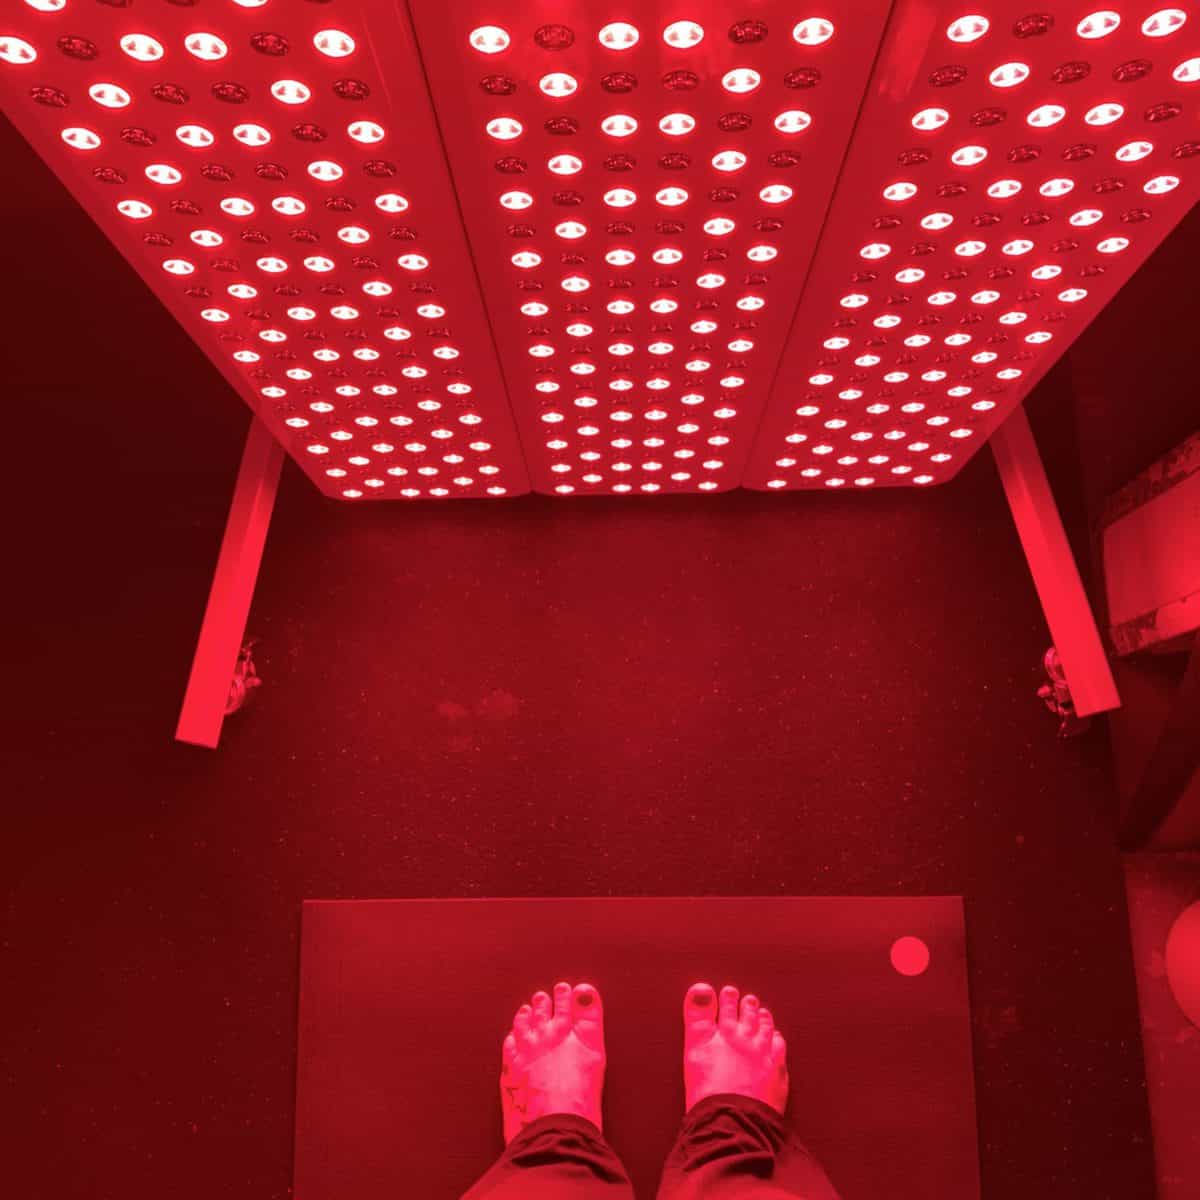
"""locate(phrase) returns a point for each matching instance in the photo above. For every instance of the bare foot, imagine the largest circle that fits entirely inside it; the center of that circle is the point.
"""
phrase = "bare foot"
(553, 1060)
(723, 1052)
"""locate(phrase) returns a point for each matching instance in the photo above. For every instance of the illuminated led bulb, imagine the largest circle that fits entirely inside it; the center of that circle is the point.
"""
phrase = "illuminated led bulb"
(570, 229)
(575, 283)
(541, 350)
(558, 84)
(1188, 71)
(741, 80)
(16, 51)
(900, 191)
(80, 138)
(719, 226)
(252, 135)
(205, 46)
(579, 329)
(214, 314)
(163, 174)
(1018, 246)
(930, 118)
(412, 262)
(109, 95)
(1132, 151)
(135, 210)
(333, 43)
(391, 202)
(620, 198)
(1086, 216)
(516, 200)
(729, 160)
(195, 136)
(660, 349)
(793, 120)
(967, 29)
(621, 307)
(619, 125)
(620, 258)
(1160, 185)
(504, 129)
(910, 275)
(565, 164)
(968, 156)
(206, 237)
(875, 250)
(288, 206)
(1164, 22)
(683, 35)
(178, 266)
(813, 31)
(710, 280)
(354, 235)
(365, 132)
(751, 303)
(671, 197)
(667, 256)
(291, 91)
(836, 343)
(775, 193)
(142, 47)
(535, 308)
(1003, 188)
(618, 36)
(1009, 74)
(677, 124)
(489, 39)
(1104, 114)
(325, 170)
(1046, 115)
(663, 305)
(761, 253)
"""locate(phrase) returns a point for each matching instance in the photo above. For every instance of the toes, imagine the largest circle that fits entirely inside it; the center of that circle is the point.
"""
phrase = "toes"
(699, 1013)
(727, 1014)
(523, 1022)
(508, 1054)
(562, 1002)
(778, 1048)
(585, 1004)
(766, 1027)
(542, 1009)
(749, 1022)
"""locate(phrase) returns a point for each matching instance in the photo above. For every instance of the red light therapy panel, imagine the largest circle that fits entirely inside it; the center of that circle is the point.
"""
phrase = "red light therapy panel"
(773, 246)
(1010, 171)
(644, 186)
(273, 171)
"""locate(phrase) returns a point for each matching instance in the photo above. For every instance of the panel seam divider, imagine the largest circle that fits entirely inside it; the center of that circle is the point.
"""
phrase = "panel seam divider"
(758, 429)
(487, 316)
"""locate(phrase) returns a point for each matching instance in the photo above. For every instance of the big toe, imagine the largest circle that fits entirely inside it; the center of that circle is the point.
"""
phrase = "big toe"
(587, 1015)
(699, 1013)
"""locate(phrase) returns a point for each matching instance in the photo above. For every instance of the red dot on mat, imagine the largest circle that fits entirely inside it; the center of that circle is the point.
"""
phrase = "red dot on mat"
(910, 955)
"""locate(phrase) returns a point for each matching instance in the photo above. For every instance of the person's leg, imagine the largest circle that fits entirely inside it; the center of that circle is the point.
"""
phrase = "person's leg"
(734, 1143)
(559, 1157)
(551, 1087)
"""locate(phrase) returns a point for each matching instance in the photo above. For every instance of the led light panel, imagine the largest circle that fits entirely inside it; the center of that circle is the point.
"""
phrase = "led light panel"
(291, 207)
(640, 250)
(1008, 173)
(644, 188)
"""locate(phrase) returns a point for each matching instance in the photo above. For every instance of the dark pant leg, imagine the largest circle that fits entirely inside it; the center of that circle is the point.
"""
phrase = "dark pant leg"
(735, 1148)
(559, 1157)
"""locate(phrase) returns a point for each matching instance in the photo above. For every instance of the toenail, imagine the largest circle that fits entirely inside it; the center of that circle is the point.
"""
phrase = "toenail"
(702, 998)
(585, 997)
